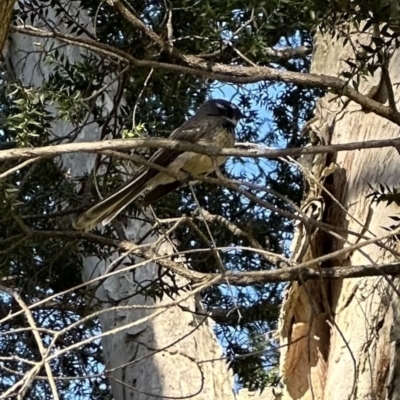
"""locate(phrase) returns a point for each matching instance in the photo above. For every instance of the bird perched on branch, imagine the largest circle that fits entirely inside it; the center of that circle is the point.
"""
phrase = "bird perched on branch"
(214, 123)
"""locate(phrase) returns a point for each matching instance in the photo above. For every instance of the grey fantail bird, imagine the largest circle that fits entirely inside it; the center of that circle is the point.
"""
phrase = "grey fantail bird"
(214, 123)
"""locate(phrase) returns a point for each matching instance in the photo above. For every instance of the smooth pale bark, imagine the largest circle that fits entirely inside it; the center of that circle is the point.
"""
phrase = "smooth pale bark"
(350, 326)
(173, 355)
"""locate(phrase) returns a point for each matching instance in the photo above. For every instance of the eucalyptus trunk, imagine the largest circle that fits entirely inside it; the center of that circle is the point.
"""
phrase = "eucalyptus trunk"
(339, 337)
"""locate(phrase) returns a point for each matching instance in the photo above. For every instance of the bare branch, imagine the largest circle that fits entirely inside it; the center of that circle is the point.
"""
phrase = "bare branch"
(287, 53)
(305, 271)
(160, 143)
(19, 166)
(268, 256)
(223, 72)
(137, 23)
(24, 384)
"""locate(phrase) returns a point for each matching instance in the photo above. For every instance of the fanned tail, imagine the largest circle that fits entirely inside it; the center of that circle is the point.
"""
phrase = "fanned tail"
(159, 192)
(111, 206)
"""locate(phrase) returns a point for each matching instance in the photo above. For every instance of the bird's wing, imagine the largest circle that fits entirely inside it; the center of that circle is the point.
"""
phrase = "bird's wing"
(191, 131)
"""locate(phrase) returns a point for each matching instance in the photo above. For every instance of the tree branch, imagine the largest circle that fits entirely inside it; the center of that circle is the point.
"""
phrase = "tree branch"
(254, 312)
(234, 278)
(222, 72)
(287, 53)
(160, 143)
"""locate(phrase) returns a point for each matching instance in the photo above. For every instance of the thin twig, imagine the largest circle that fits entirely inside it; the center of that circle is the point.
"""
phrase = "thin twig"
(106, 86)
(44, 353)
(20, 166)
(139, 97)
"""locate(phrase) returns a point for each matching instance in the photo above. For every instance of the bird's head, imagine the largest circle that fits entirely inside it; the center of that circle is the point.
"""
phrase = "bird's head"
(221, 108)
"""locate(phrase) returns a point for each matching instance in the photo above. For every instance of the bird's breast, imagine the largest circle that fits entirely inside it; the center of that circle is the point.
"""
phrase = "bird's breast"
(198, 164)
(223, 138)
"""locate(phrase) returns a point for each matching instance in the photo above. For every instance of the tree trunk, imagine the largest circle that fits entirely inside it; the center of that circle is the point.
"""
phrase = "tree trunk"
(6, 11)
(171, 356)
(339, 338)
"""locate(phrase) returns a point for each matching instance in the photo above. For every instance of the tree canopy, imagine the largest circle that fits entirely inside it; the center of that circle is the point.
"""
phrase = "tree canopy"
(164, 59)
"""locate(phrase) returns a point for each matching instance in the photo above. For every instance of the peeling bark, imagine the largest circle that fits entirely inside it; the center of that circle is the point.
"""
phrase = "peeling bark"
(6, 11)
(349, 327)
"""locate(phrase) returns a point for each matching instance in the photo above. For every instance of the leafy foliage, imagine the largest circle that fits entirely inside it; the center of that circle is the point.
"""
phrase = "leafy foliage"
(387, 195)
